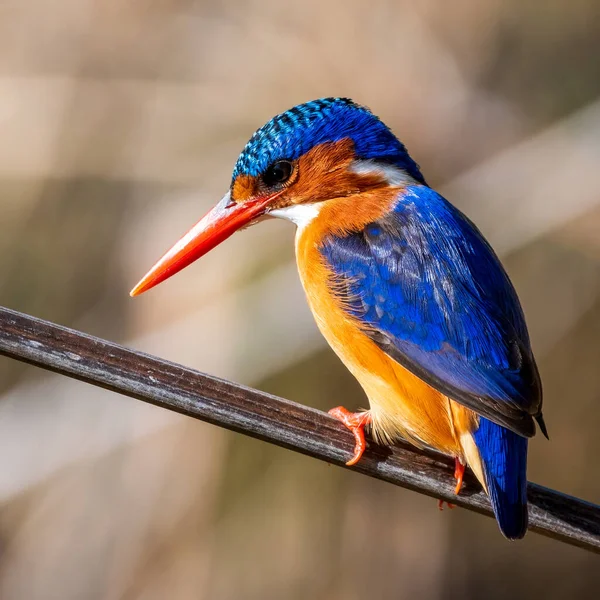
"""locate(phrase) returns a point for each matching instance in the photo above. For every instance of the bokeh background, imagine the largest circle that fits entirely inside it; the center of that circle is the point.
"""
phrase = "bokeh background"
(119, 125)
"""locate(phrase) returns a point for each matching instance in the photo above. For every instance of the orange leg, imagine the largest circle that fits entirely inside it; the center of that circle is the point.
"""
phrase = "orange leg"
(459, 471)
(355, 422)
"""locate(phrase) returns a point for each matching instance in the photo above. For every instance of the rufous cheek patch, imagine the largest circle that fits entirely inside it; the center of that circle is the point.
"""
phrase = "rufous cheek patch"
(325, 173)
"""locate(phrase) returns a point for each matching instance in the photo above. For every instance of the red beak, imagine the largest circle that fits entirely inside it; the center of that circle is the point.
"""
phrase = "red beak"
(219, 224)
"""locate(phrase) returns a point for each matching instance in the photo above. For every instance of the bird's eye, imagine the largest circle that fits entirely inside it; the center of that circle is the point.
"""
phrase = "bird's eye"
(277, 173)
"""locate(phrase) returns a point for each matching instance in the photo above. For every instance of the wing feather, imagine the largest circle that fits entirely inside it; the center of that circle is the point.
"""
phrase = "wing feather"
(430, 292)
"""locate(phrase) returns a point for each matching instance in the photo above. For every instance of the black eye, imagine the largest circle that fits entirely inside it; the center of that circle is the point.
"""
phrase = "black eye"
(277, 173)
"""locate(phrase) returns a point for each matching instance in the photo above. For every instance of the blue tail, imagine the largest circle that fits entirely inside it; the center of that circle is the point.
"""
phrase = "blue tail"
(504, 457)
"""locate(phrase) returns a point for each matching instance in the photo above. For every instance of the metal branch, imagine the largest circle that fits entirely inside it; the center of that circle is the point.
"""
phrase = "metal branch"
(273, 420)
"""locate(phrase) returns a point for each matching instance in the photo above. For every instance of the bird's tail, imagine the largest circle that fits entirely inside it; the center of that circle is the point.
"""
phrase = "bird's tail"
(504, 457)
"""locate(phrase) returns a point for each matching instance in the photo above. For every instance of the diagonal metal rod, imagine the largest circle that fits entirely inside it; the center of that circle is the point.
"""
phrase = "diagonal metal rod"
(273, 420)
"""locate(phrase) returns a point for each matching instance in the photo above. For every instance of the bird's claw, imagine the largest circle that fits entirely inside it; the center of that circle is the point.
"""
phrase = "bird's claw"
(356, 423)
(459, 472)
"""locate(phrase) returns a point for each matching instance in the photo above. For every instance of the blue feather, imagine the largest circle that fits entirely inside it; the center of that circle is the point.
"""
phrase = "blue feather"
(294, 132)
(434, 296)
(504, 457)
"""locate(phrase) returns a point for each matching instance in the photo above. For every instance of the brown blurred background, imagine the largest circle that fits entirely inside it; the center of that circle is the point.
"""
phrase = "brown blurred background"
(120, 122)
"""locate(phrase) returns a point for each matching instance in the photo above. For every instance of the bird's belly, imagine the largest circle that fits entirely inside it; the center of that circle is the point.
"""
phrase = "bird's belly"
(401, 404)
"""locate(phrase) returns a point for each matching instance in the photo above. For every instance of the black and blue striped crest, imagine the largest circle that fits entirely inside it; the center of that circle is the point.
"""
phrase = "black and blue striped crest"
(291, 134)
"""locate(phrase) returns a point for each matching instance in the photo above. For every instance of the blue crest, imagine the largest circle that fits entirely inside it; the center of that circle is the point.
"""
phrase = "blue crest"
(296, 131)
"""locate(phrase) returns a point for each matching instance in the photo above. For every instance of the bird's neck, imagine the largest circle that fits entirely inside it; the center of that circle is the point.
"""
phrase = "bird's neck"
(374, 188)
(349, 214)
(342, 215)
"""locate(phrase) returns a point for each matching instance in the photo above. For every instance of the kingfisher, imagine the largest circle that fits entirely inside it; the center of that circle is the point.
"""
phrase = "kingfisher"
(402, 285)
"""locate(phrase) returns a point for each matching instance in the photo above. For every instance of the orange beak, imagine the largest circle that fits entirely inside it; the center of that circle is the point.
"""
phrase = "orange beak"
(219, 224)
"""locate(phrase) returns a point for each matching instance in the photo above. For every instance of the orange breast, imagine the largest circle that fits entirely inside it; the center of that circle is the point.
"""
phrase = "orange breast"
(401, 404)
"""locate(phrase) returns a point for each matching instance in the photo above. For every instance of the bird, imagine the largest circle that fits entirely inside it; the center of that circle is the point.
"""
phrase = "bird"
(402, 285)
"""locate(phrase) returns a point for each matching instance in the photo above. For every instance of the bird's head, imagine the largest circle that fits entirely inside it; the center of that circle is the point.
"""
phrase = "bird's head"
(293, 165)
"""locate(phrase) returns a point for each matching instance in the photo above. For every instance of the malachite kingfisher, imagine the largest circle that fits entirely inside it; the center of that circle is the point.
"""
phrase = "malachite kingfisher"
(403, 286)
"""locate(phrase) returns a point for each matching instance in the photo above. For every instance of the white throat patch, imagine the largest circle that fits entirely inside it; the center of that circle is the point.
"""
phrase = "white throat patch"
(300, 214)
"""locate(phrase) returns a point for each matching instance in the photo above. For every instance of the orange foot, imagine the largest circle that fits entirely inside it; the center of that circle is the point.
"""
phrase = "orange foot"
(355, 422)
(459, 471)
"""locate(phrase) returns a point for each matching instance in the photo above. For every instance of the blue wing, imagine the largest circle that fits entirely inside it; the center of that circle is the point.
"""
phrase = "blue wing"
(433, 295)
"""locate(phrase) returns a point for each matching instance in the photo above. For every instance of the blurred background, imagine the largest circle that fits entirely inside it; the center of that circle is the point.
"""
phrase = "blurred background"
(120, 122)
